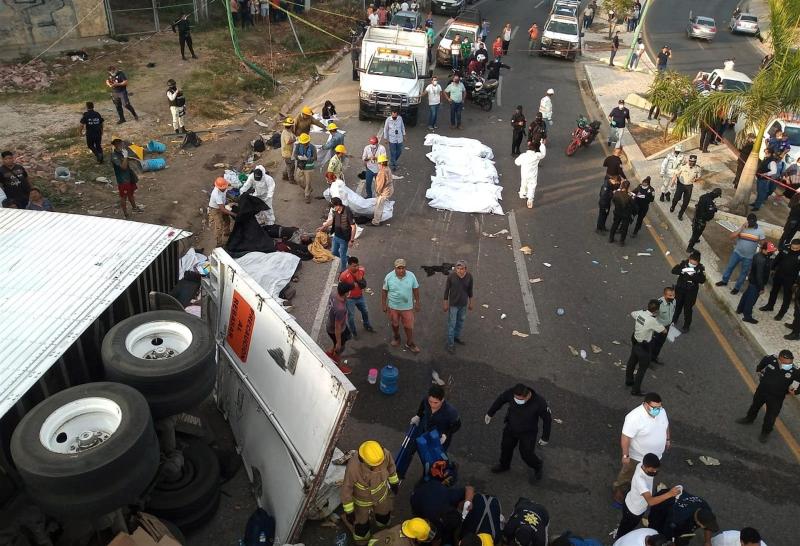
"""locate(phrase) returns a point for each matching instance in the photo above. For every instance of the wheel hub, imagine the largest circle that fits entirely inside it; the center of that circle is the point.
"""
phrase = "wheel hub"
(160, 352)
(87, 440)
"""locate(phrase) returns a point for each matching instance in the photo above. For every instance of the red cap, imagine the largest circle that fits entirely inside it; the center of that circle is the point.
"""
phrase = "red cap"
(373, 139)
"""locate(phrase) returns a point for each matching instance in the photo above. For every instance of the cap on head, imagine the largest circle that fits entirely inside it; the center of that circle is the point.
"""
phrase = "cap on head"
(307, 111)
(304, 138)
(551, 92)
(692, 157)
(332, 126)
(288, 121)
(399, 262)
(373, 139)
(220, 183)
(371, 452)
(461, 263)
(678, 147)
(417, 528)
(621, 101)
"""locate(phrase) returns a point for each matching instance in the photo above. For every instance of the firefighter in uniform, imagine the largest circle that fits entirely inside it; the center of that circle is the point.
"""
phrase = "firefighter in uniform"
(409, 533)
(370, 482)
(704, 212)
(669, 167)
(685, 176)
(778, 378)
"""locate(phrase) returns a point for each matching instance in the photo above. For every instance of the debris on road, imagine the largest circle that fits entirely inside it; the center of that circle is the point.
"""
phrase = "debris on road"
(519, 334)
(436, 379)
(583, 354)
(690, 462)
(560, 311)
(595, 262)
(558, 421)
(493, 235)
(643, 254)
(260, 123)
(708, 461)
(24, 77)
(484, 305)
(596, 349)
(534, 281)
(573, 350)
(615, 342)
(546, 264)
(503, 316)
(527, 250)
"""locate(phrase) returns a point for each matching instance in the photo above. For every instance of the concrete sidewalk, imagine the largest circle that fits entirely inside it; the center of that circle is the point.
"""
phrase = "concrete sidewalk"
(608, 85)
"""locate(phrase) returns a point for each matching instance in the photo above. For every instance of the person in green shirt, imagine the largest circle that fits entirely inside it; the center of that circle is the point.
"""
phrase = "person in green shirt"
(455, 96)
(466, 50)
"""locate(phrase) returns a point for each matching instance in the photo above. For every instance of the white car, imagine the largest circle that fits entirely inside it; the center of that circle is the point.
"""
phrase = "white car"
(467, 31)
(745, 23)
(790, 125)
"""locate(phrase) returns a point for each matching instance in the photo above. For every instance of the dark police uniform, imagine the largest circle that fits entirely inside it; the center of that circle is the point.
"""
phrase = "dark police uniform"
(623, 212)
(522, 427)
(604, 202)
(676, 517)
(703, 213)
(518, 123)
(184, 30)
(772, 389)
(642, 197)
(119, 96)
(689, 280)
(94, 133)
(787, 267)
(15, 184)
(527, 525)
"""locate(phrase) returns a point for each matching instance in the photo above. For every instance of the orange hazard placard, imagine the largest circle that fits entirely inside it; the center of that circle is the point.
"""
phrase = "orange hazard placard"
(240, 326)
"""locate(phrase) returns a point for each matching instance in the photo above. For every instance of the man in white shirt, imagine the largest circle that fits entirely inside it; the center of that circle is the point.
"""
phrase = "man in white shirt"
(746, 537)
(219, 217)
(637, 55)
(434, 91)
(645, 325)
(373, 19)
(370, 155)
(394, 132)
(643, 537)
(645, 430)
(263, 186)
(546, 107)
(640, 497)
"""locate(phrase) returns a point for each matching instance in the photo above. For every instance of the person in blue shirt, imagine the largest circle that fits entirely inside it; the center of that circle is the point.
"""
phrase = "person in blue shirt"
(436, 413)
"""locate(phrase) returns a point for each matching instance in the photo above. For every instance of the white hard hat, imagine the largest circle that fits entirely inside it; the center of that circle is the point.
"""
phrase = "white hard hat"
(551, 92)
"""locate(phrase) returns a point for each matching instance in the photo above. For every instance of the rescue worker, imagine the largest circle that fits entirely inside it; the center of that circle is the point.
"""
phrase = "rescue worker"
(177, 106)
(263, 186)
(335, 139)
(409, 533)
(691, 274)
(369, 485)
(645, 325)
(304, 121)
(669, 166)
(643, 195)
(305, 157)
(219, 217)
(436, 413)
(685, 176)
(623, 212)
(384, 188)
(787, 269)
(335, 169)
(525, 409)
(518, 123)
(529, 170)
(607, 189)
(288, 139)
(779, 377)
(704, 212)
(527, 525)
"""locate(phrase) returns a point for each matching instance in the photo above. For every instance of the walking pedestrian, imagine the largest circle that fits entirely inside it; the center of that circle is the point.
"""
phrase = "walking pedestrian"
(304, 155)
(436, 413)
(497, 47)
(617, 118)
(614, 48)
(546, 107)
(666, 314)
(126, 177)
(643, 195)
(336, 325)
(92, 127)
(340, 218)
(663, 58)
(529, 170)
(645, 430)
(704, 212)
(177, 106)
(679, 518)
(746, 537)
(607, 189)
(747, 239)
(623, 212)
(355, 274)
(613, 164)
(691, 274)
(533, 36)
(219, 217)
(457, 301)
(636, 56)
(645, 325)
(527, 525)
(434, 92)
(384, 188)
(669, 167)
(641, 497)
(485, 30)
(756, 281)
(507, 32)
(288, 140)
(184, 29)
(525, 409)
(454, 93)
(399, 300)
(537, 130)
(685, 177)
(394, 132)
(787, 269)
(118, 83)
(370, 155)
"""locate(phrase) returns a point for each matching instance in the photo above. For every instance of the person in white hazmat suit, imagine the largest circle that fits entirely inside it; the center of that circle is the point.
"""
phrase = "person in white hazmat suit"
(263, 186)
(529, 170)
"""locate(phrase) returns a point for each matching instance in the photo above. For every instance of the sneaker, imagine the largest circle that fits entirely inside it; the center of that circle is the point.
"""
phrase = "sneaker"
(497, 469)
(792, 337)
(667, 196)
(765, 308)
(721, 283)
(735, 291)
(661, 197)
(779, 317)
(530, 203)
(458, 341)
(788, 325)
(751, 320)
(121, 121)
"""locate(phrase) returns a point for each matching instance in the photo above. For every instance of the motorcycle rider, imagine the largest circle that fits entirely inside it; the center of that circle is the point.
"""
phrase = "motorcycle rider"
(672, 162)
(493, 68)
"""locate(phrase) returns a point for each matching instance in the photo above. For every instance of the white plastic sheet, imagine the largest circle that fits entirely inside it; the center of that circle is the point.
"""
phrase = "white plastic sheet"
(271, 271)
(470, 146)
(359, 205)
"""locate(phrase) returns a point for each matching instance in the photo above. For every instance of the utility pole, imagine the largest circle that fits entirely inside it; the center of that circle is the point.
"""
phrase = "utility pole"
(307, 6)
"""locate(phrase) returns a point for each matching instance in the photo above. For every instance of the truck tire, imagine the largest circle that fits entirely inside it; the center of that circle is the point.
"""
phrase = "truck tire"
(165, 355)
(361, 115)
(192, 499)
(87, 450)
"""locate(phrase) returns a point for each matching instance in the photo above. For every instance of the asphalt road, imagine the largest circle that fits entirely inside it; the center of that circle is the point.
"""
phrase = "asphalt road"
(702, 389)
(666, 22)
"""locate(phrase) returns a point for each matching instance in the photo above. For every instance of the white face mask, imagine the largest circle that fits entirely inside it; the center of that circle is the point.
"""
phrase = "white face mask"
(519, 402)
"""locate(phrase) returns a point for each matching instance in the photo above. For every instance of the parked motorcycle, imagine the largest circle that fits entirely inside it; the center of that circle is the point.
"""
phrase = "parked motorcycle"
(484, 93)
(583, 135)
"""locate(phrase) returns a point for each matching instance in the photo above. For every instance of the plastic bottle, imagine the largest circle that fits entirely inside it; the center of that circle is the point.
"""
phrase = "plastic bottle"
(372, 376)
(389, 376)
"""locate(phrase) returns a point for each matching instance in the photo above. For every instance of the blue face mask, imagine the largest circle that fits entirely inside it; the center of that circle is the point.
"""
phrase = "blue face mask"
(654, 411)
(787, 367)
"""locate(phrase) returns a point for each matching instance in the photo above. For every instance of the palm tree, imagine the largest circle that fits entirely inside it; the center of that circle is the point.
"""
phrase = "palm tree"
(775, 89)
(671, 91)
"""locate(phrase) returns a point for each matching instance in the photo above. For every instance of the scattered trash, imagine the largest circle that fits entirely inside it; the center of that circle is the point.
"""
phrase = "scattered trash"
(397, 177)
(643, 254)
(220, 165)
(94, 212)
(369, 291)
(559, 421)
(573, 350)
(708, 461)
(260, 123)
(436, 379)
(30, 76)
(503, 316)
(102, 180)
(623, 271)
(596, 349)
(618, 363)
(528, 251)
(434, 239)
(625, 257)
(493, 235)
(689, 462)
(534, 281)
(174, 202)
(79, 182)
(546, 264)
(667, 253)
(519, 334)
(62, 173)
(583, 354)
(485, 306)
(560, 311)
(482, 316)
(595, 262)
(648, 249)
(681, 372)
(615, 342)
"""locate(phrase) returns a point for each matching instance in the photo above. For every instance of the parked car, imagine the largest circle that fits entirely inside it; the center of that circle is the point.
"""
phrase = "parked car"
(407, 19)
(701, 27)
(447, 7)
(464, 29)
(568, 8)
(730, 79)
(745, 23)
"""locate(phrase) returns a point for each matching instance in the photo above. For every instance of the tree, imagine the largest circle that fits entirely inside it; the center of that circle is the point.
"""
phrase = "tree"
(775, 89)
(620, 8)
(671, 91)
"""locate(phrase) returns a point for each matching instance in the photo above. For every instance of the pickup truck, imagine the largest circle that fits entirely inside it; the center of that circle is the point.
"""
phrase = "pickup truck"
(730, 79)
(96, 361)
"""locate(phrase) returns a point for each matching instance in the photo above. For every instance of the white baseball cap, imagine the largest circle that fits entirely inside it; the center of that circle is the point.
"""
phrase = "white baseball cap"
(551, 92)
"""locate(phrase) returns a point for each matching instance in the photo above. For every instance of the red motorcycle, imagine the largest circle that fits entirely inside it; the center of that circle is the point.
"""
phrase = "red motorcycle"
(583, 135)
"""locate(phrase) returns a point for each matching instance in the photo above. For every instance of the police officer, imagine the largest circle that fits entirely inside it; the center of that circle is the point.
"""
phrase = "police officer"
(184, 30)
(795, 324)
(527, 525)
(525, 408)
(691, 274)
(92, 126)
(669, 167)
(518, 123)
(685, 176)
(607, 189)
(787, 269)
(645, 325)
(703, 213)
(493, 68)
(778, 378)
(643, 195)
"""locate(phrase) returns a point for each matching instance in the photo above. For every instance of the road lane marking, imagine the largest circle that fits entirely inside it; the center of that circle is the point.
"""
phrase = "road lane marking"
(514, 32)
(522, 273)
(499, 90)
(323, 301)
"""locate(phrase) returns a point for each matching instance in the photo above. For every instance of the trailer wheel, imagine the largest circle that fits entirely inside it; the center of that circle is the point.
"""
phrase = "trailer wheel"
(193, 498)
(87, 450)
(165, 355)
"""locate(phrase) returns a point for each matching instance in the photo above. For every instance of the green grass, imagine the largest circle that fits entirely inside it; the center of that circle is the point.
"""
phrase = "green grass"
(77, 87)
(63, 140)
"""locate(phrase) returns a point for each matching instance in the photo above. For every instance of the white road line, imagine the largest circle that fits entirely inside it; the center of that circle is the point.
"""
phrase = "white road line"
(323, 302)
(499, 89)
(522, 273)
(537, 6)
(514, 32)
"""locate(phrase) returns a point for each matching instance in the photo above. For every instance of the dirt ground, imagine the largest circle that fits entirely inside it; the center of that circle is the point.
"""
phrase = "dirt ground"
(651, 141)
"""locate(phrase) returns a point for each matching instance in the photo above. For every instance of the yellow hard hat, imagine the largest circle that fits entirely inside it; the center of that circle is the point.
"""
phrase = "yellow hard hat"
(371, 452)
(383, 159)
(304, 138)
(332, 126)
(307, 111)
(340, 149)
(288, 121)
(486, 539)
(417, 528)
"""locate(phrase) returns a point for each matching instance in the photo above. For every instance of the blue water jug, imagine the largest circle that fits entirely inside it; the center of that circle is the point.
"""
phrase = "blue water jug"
(155, 146)
(389, 376)
(154, 164)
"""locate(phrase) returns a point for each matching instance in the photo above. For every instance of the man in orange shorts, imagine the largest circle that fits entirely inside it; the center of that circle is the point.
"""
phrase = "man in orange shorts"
(400, 299)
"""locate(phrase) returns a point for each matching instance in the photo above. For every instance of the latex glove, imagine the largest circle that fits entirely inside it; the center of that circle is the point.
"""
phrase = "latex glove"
(124, 153)
(443, 439)
(414, 420)
(542, 442)
(487, 419)
(466, 509)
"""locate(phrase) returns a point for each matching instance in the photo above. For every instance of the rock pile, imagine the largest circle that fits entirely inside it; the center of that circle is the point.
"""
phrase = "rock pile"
(24, 78)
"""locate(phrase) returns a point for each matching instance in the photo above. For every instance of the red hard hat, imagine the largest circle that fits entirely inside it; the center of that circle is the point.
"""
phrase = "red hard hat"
(373, 139)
